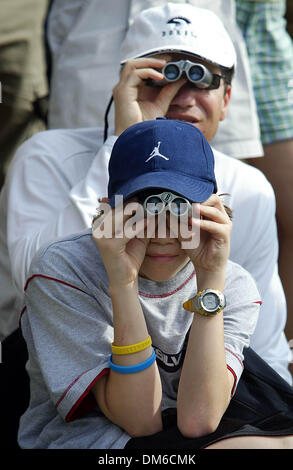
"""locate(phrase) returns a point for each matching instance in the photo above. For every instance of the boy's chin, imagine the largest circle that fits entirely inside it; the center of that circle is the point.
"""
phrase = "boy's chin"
(157, 277)
(160, 274)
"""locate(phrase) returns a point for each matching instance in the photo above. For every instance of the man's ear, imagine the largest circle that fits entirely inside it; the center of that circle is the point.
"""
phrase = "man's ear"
(225, 103)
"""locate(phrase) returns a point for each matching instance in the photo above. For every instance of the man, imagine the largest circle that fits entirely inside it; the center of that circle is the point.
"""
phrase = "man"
(57, 176)
(85, 81)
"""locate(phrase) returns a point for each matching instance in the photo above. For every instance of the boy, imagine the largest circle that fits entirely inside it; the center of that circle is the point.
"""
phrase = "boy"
(86, 298)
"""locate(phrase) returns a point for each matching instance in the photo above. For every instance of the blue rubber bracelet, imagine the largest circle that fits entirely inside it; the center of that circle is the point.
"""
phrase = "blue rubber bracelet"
(135, 368)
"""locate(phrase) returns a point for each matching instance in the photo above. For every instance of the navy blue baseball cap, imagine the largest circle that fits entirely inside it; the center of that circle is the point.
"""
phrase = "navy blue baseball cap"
(162, 153)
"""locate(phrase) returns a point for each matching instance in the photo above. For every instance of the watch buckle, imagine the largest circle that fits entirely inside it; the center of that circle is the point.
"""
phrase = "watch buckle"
(188, 305)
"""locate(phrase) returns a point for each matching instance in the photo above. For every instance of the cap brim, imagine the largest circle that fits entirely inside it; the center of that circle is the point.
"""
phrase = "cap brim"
(194, 189)
(177, 49)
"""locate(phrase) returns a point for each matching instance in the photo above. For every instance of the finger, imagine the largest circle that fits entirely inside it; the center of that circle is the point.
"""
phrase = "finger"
(134, 229)
(140, 225)
(191, 234)
(214, 213)
(144, 62)
(168, 93)
(134, 222)
(109, 221)
(121, 213)
(145, 74)
(214, 228)
(102, 226)
(137, 70)
(215, 201)
(130, 208)
(119, 223)
(190, 243)
(140, 75)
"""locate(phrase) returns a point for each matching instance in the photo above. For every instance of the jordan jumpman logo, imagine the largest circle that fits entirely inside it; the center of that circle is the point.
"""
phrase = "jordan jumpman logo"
(156, 153)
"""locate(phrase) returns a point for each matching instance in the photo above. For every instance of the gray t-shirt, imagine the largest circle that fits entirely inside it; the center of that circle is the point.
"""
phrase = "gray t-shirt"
(68, 326)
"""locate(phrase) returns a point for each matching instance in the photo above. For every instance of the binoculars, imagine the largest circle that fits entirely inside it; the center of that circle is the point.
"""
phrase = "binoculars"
(155, 204)
(197, 73)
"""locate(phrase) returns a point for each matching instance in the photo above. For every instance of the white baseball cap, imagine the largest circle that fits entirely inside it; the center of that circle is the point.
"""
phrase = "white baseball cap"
(177, 27)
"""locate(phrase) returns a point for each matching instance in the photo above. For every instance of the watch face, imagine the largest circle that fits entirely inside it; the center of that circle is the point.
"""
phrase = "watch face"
(210, 301)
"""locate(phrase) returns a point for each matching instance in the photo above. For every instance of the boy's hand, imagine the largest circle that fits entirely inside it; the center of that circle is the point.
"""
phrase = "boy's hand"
(122, 252)
(134, 100)
(211, 255)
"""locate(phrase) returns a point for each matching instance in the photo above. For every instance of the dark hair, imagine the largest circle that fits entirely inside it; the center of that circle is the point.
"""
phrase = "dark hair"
(229, 74)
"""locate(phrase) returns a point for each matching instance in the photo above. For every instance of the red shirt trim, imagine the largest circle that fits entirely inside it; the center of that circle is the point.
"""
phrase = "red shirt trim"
(86, 401)
(52, 279)
(235, 355)
(235, 380)
(156, 296)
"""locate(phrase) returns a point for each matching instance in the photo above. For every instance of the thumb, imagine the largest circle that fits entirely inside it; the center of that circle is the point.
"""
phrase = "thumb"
(168, 93)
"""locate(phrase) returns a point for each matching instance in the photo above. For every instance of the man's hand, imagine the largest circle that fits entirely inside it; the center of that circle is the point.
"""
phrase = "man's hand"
(134, 100)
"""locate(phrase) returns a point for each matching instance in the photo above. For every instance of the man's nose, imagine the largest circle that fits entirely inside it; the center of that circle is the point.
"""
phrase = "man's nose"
(186, 96)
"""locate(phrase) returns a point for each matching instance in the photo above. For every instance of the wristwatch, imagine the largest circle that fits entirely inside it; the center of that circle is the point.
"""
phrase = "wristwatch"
(206, 302)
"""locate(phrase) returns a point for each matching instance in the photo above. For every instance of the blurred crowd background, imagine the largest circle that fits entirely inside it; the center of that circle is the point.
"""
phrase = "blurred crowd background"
(290, 17)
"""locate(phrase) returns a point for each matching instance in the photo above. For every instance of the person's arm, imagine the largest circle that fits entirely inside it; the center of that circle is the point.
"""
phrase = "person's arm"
(49, 196)
(68, 325)
(206, 383)
(133, 400)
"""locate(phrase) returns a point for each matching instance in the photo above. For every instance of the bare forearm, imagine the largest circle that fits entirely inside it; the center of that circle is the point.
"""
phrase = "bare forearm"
(133, 400)
(204, 388)
(205, 383)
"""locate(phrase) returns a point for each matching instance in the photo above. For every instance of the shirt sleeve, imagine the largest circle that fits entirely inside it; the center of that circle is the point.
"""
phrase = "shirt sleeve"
(42, 204)
(70, 335)
(240, 317)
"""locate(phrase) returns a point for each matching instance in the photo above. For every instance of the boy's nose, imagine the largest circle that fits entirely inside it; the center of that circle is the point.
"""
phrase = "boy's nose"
(164, 232)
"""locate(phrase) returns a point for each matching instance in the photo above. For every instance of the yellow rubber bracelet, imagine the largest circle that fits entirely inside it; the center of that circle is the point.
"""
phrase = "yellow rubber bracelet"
(132, 348)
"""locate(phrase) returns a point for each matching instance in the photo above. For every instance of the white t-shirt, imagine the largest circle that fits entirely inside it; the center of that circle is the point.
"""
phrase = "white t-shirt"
(52, 188)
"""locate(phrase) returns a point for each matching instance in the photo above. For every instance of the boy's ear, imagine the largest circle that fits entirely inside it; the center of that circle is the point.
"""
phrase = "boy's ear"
(225, 103)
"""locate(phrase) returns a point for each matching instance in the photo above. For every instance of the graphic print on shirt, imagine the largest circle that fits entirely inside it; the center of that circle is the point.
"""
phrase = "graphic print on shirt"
(156, 153)
(169, 362)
